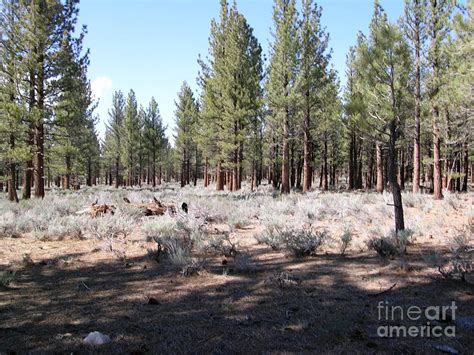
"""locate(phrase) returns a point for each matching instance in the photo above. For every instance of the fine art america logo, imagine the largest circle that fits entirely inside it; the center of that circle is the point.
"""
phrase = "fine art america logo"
(431, 322)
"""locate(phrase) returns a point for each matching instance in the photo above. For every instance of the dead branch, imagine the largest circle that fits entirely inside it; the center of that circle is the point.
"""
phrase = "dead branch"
(155, 208)
(383, 292)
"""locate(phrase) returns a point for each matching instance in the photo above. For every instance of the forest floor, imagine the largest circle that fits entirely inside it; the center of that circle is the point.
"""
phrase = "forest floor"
(63, 288)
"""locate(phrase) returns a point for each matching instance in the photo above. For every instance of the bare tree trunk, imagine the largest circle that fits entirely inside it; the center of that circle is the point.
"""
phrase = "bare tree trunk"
(219, 178)
(89, 171)
(28, 175)
(437, 175)
(206, 173)
(38, 161)
(285, 172)
(416, 139)
(306, 149)
(465, 167)
(67, 180)
(379, 164)
(392, 177)
(11, 185)
(370, 170)
(325, 186)
(153, 168)
(401, 169)
(351, 161)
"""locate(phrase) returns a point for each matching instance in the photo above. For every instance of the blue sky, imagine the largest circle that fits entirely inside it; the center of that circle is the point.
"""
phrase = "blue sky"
(152, 46)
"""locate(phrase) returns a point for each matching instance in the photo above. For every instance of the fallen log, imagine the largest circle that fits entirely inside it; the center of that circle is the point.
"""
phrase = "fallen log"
(96, 210)
(155, 208)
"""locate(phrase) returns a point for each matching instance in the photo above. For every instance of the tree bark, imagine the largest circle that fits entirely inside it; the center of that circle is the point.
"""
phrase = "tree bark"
(28, 175)
(306, 148)
(379, 165)
(38, 161)
(465, 167)
(392, 177)
(219, 178)
(325, 186)
(437, 175)
(206, 173)
(285, 171)
(416, 139)
(11, 185)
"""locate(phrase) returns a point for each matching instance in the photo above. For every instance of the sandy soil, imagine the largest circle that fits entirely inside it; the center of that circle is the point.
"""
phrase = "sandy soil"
(325, 304)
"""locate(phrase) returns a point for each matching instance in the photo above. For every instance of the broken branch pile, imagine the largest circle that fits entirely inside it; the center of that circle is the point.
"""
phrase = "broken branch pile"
(155, 208)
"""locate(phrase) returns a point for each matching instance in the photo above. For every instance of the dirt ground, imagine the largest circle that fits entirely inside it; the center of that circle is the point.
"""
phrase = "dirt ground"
(64, 289)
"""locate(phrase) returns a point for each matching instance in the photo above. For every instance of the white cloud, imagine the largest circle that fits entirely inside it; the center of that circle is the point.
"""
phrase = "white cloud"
(100, 86)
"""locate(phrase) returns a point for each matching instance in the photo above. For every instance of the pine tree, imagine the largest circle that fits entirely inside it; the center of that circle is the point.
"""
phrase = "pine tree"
(114, 133)
(311, 77)
(12, 131)
(385, 63)
(186, 115)
(280, 86)
(130, 138)
(414, 25)
(231, 95)
(154, 139)
(439, 12)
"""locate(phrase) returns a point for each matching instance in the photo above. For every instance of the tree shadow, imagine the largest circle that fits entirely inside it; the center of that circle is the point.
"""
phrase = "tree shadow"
(53, 306)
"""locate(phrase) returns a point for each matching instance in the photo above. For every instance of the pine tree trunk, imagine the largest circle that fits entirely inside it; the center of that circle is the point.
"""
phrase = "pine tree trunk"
(117, 172)
(379, 163)
(89, 171)
(196, 167)
(285, 172)
(67, 180)
(206, 173)
(370, 170)
(11, 185)
(359, 166)
(392, 177)
(28, 175)
(416, 139)
(351, 162)
(465, 167)
(325, 186)
(219, 178)
(437, 174)
(299, 172)
(38, 161)
(153, 168)
(306, 149)
(401, 169)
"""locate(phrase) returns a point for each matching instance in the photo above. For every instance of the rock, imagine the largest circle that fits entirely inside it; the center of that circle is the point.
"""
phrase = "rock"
(466, 323)
(96, 338)
(445, 349)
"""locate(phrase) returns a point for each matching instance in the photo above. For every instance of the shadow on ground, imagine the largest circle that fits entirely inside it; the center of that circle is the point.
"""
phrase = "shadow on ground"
(52, 306)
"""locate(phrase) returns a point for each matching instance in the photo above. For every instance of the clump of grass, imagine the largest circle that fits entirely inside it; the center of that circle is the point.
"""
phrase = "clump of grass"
(222, 245)
(390, 246)
(68, 226)
(163, 226)
(304, 242)
(238, 220)
(346, 240)
(193, 267)
(6, 278)
(111, 227)
(271, 236)
(461, 262)
(300, 242)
